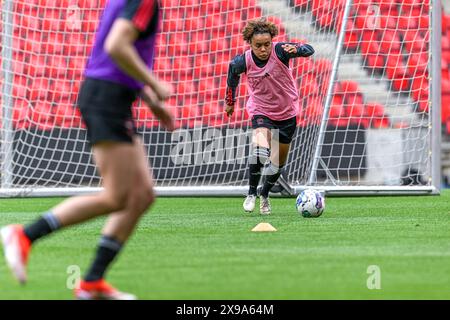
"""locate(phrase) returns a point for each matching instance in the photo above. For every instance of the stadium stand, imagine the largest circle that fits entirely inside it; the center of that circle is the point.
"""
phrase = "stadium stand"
(191, 57)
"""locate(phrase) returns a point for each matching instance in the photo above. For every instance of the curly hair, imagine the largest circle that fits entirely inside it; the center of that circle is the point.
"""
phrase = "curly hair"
(259, 26)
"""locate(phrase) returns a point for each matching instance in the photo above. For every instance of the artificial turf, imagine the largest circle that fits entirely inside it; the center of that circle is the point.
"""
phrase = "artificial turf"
(203, 248)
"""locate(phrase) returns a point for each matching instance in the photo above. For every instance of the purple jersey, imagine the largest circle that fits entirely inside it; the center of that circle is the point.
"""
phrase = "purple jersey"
(143, 14)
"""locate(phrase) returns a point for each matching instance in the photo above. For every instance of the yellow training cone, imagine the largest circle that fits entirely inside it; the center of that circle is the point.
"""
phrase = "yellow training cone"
(264, 227)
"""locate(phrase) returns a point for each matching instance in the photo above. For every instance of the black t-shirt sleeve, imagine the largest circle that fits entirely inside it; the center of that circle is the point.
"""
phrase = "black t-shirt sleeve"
(143, 14)
(237, 66)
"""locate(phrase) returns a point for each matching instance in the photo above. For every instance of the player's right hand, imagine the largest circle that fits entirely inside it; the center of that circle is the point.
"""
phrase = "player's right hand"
(229, 110)
(157, 107)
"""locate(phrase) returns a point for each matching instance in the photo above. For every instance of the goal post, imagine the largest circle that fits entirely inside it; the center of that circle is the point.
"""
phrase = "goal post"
(369, 107)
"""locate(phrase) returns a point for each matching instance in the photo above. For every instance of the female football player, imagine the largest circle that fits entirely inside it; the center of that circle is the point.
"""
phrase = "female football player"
(118, 71)
(272, 104)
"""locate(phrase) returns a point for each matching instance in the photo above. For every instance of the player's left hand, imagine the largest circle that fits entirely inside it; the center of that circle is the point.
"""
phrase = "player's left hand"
(289, 48)
(158, 109)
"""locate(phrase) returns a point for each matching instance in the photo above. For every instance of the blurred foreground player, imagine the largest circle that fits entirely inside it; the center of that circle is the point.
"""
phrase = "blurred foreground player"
(117, 73)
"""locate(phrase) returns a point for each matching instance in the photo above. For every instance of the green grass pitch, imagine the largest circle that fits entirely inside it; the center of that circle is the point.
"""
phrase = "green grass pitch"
(202, 248)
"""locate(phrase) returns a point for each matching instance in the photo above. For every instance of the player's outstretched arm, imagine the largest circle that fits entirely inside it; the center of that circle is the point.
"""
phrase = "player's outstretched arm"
(286, 51)
(237, 66)
(120, 46)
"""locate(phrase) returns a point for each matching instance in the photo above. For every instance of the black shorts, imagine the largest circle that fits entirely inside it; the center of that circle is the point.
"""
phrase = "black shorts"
(286, 128)
(106, 110)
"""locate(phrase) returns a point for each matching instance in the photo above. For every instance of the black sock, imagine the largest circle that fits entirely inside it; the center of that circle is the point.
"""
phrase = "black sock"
(272, 174)
(255, 176)
(42, 227)
(257, 160)
(107, 250)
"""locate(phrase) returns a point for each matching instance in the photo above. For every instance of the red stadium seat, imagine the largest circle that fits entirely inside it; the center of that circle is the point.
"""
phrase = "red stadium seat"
(390, 41)
(162, 65)
(411, 4)
(349, 87)
(76, 67)
(235, 16)
(375, 61)
(211, 7)
(66, 115)
(86, 4)
(303, 4)
(54, 44)
(186, 88)
(370, 47)
(27, 21)
(423, 22)
(189, 3)
(56, 67)
(173, 25)
(231, 5)
(203, 67)
(304, 66)
(401, 81)
(414, 41)
(423, 106)
(39, 89)
(193, 23)
(61, 90)
(90, 21)
(394, 62)
(407, 22)
(237, 45)
(376, 116)
(336, 113)
(21, 114)
(417, 64)
(36, 66)
(308, 86)
(144, 118)
(75, 44)
(53, 21)
(170, 4)
(419, 86)
(214, 21)
(351, 37)
(42, 115)
(181, 66)
(21, 88)
(178, 44)
(199, 43)
(32, 42)
(211, 114)
(445, 86)
(221, 67)
(19, 66)
(254, 13)
(322, 66)
(445, 111)
(207, 88)
(354, 109)
(189, 113)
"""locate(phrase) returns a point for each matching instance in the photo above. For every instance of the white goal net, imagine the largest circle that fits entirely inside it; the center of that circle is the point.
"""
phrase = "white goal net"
(369, 96)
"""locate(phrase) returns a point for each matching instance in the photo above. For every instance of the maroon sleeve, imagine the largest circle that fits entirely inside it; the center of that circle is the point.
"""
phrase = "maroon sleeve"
(141, 13)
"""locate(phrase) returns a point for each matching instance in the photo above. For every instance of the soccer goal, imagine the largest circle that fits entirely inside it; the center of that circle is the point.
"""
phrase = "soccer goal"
(369, 120)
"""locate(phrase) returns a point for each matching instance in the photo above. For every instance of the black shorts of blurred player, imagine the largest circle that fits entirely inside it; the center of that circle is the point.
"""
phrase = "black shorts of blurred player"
(106, 110)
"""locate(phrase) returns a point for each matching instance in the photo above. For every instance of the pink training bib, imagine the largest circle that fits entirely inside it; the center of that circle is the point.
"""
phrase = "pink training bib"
(272, 89)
